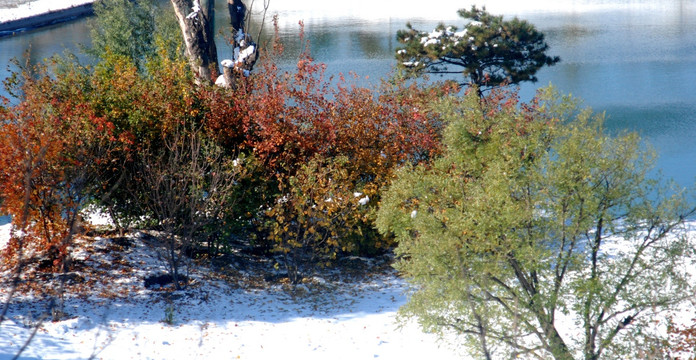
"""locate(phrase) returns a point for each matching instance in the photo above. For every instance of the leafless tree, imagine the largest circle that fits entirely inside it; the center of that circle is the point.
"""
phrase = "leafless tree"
(188, 184)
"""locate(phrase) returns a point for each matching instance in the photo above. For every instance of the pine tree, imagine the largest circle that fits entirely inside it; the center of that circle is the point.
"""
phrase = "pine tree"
(487, 51)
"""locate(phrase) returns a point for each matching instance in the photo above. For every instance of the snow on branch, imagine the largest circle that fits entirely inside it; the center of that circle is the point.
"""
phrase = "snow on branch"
(196, 9)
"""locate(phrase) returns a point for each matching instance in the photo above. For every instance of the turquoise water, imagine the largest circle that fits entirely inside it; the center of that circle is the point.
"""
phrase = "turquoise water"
(634, 60)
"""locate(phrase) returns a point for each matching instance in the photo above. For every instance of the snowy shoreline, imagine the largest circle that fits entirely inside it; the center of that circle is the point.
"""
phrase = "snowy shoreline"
(40, 13)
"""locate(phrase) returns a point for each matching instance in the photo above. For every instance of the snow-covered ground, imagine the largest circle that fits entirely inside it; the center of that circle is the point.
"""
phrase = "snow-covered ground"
(37, 7)
(229, 312)
(214, 319)
(446, 10)
(231, 324)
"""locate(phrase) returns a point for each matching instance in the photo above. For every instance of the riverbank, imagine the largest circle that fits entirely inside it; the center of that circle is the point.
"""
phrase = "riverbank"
(18, 16)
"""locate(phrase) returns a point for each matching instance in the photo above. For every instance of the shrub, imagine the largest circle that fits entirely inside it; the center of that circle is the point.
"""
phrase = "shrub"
(314, 216)
(53, 148)
(288, 118)
(186, 185)
(132, 119)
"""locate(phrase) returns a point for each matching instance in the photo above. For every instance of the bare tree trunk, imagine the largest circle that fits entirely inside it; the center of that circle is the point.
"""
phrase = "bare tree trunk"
(196, 20)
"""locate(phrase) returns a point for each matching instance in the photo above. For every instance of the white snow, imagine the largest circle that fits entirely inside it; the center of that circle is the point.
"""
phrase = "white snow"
(194, 10)
(435, 34)
(37, 7)
(241, 54)
(411, 63)
(316, 12)
(220, 81)
(432, 39)
(234, 324)
(364, 200)
(214, 319)
(460, 34)
(431, 42)
(290, 12)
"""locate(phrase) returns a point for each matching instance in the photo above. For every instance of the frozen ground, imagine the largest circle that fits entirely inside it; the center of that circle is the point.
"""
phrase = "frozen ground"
(213, 319)
(228, 311)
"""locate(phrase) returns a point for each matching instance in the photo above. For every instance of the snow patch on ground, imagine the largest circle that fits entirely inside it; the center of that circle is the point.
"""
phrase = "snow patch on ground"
(122, 319)
(231, 324)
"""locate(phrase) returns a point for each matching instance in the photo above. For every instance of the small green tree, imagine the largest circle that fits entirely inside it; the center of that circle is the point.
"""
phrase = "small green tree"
(534, 214)
(130, 28)
(488, 51)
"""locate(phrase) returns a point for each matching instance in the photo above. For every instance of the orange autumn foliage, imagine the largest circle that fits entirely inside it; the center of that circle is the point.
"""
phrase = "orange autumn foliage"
(51, 141)
(288, 119)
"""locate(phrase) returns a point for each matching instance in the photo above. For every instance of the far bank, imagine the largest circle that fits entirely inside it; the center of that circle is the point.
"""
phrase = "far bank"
(36, 14)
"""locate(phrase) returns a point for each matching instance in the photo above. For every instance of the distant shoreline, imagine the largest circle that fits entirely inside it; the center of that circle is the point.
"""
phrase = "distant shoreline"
(13, 27)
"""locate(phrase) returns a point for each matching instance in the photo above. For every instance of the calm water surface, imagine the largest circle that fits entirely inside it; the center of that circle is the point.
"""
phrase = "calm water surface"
(635, 60)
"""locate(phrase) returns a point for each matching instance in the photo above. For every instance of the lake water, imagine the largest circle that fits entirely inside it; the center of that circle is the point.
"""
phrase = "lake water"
(635, 60)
